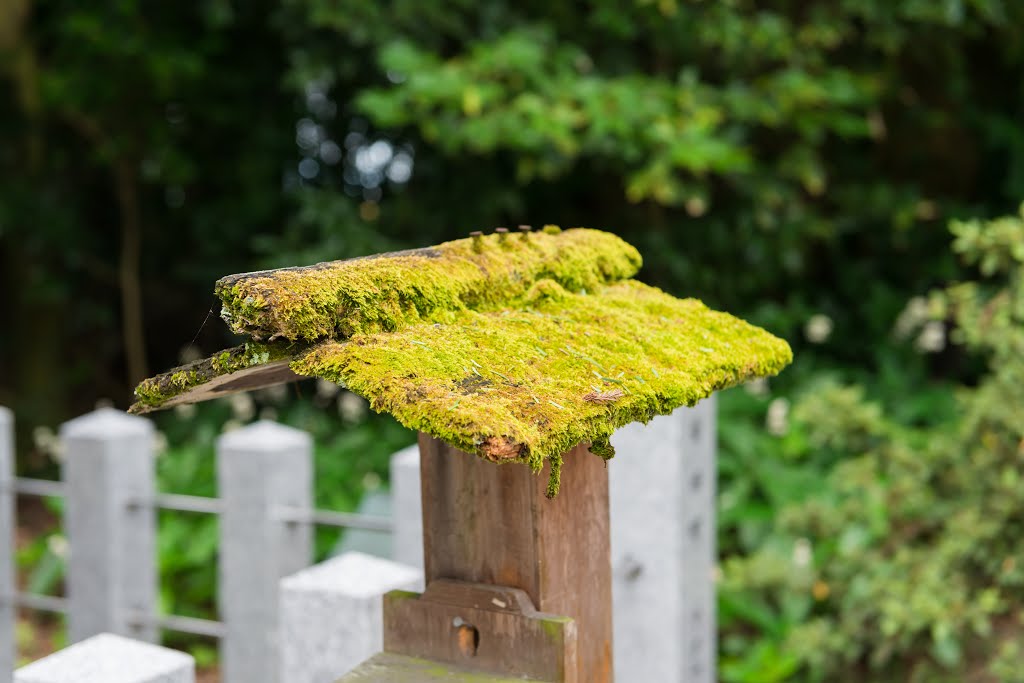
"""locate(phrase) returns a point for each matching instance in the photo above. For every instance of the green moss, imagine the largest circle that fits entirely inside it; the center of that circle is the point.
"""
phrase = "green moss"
(402, 595)
(515, 347)
(388, 292)
(554, 627)
(528, 382)
(155, 392)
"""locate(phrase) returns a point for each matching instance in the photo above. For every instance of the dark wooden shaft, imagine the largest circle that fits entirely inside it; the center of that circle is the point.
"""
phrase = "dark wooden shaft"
(492, 524)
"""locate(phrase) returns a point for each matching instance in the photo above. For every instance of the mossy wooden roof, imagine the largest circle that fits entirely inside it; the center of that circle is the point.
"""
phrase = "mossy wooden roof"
(515, 347)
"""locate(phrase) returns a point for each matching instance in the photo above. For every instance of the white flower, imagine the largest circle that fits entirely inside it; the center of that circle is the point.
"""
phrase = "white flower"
(42, 437)
(276, 393)
(242, 406)
(777, 419)
(696, 206)
(185, 411)
(913, 315)
(49, 443)
(932, 338)
(58, 545)
(371, 481)
(802, 553)
(818, 328)
(757, 387)
(159, 444)
(352, 408)
(326, 390)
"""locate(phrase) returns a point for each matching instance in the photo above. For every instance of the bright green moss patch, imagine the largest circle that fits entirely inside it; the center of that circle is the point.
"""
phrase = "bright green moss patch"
(388, 292)
(158, 391)
(521, 384)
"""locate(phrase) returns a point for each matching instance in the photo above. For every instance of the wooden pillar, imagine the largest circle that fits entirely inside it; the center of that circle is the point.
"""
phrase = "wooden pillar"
(491, 524)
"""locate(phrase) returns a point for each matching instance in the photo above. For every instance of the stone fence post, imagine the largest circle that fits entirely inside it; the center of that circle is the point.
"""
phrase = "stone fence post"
(109, 475)
(332, 614)
(260, 469)
(107, 658)
(662, 486)
(7, 583)
(406, 507)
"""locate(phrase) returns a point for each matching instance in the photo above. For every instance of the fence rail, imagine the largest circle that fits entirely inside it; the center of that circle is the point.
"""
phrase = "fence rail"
(275, 611)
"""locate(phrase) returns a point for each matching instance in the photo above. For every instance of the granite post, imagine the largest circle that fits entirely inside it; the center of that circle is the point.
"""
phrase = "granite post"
(108, 471)
(332, 614)
(259, 468)
(109, 658)
(8, 613)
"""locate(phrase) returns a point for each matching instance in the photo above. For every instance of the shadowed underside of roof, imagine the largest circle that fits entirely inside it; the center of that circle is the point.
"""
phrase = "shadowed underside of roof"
(520, 377)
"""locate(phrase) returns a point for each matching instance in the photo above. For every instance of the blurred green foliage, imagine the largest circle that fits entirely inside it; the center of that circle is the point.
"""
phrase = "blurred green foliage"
(895, 553)
(352, 448)
(795, 163)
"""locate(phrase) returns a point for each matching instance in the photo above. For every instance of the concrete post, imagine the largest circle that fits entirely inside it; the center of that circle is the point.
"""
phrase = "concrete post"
(332, 615)
(406, 507)
(259, 468)
(663, 547)
(109, 475)
(107, 658)
(8, 614)
(700, 548)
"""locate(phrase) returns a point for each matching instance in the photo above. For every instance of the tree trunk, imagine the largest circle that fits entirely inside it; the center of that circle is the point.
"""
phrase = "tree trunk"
(127, 186)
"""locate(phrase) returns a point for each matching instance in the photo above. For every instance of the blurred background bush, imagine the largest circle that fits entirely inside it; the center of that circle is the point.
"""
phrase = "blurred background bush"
(796, 163)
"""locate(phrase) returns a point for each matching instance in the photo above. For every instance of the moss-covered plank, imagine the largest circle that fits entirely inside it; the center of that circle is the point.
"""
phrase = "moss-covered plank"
(386, 292)
(242, 368)
(528, 383)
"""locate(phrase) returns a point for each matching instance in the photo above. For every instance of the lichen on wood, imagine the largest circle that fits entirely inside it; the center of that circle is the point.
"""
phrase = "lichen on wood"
(385, 292)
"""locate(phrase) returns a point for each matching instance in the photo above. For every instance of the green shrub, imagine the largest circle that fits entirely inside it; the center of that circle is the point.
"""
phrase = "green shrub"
(904, 562)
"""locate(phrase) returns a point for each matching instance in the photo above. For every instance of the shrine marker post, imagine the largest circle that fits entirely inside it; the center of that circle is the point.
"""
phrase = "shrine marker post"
(518, 356)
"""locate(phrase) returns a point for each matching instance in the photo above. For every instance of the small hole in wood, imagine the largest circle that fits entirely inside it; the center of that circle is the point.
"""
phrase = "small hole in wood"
(467, 637)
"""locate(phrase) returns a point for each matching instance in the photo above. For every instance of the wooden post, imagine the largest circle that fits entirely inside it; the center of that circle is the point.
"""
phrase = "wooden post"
(491, 524)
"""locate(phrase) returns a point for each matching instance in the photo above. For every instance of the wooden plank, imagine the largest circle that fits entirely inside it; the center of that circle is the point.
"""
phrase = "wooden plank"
(491, 629)
(492, 524)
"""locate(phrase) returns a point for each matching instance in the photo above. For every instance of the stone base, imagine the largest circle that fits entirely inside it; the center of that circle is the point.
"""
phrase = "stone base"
(332, 616)
(108, 658)
(390, 668)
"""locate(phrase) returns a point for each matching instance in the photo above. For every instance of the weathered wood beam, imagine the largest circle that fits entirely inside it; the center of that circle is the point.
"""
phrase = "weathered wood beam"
(493, 525)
